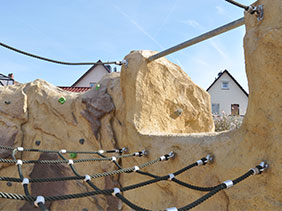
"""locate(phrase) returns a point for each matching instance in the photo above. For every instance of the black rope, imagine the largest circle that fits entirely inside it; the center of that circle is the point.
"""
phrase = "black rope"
(203, 198)
(130, 204)
(42, 206)
(213, 190)
(193, 187)
(110, 191)
(19, 167)
(56, 61)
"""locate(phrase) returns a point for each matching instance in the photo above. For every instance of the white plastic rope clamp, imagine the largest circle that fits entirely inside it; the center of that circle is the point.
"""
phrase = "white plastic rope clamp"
(116, 191)
(162, 158)
(200, 162)
(19, 162)
(171, 176)
(38, 200)
(63, 151)
(171, 209)
(114, 159)
(70, 162)
(136, 168)
(101, 151)
(20, 149)
(25, 181)
(228, 183)
(87, 177)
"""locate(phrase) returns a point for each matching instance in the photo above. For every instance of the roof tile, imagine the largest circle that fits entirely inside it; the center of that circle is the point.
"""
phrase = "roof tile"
(75, 89)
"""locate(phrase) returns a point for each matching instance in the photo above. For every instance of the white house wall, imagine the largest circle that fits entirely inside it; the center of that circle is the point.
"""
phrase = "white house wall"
(93, 76)
(5, 82)
(233, 95)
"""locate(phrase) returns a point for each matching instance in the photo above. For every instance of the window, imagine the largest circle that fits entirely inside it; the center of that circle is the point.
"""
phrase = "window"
(225, 85)
(215, 108)
(235, 109)
(91, 84)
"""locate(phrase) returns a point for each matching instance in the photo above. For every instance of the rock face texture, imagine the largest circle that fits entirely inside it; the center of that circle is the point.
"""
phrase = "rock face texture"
(154, 106)
(161, 98)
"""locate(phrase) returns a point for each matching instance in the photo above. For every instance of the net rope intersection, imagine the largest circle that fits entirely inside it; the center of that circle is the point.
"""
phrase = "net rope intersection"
(39, 201)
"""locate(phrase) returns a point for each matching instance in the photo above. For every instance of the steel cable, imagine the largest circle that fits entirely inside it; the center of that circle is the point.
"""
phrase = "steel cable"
(55, 61)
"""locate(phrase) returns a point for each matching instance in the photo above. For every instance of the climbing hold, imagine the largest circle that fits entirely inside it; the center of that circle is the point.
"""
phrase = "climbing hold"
(73, 155)
(81, 141)
(7, 102)
(98, 86)
(178, 112)
(9, 184)
(37, 142)
(62, 100)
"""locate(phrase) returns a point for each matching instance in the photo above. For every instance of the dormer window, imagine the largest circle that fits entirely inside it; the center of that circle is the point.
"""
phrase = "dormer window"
(225, 85)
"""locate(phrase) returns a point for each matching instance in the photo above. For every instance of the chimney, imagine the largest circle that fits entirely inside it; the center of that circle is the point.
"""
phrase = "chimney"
(11, 75)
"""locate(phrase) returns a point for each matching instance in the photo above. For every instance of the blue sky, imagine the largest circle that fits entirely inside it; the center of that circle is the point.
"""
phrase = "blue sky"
(89, 30)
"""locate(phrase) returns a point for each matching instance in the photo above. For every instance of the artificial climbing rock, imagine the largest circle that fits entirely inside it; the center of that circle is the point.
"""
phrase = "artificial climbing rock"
(136, 111)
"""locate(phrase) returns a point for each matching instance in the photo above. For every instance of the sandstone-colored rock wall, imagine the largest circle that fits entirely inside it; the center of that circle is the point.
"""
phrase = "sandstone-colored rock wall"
(137, 110)
(32, 112)
(155, 92)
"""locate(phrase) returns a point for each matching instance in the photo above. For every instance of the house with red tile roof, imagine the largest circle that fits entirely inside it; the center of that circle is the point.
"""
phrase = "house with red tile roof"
(89, 78)
(75, 89)
(93, 75)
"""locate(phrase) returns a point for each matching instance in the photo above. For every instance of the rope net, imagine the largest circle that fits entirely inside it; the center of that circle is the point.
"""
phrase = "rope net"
(39, 201)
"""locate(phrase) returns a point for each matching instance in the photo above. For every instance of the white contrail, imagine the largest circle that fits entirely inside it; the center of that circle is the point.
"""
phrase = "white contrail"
(140, 28)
